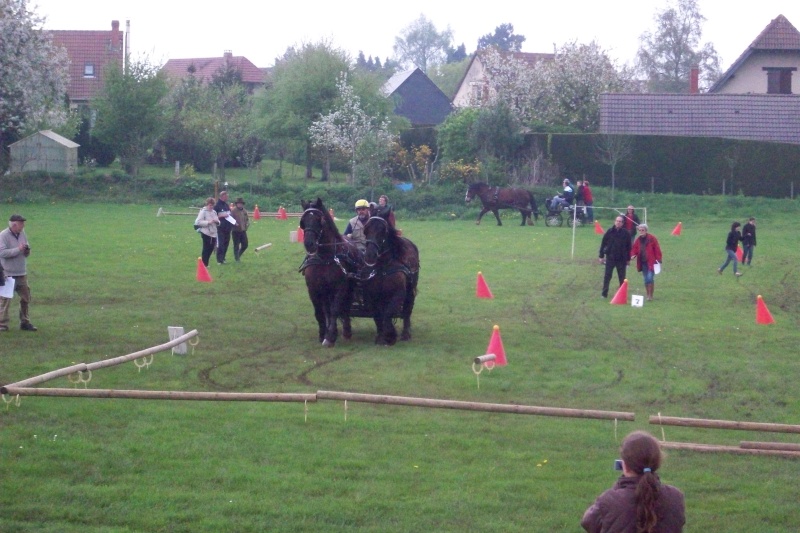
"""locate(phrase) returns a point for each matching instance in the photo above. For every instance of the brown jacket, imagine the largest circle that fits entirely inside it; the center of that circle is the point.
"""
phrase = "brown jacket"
(614, 511)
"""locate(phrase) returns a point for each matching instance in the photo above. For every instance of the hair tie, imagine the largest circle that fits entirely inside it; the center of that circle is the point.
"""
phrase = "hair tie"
(646, 470)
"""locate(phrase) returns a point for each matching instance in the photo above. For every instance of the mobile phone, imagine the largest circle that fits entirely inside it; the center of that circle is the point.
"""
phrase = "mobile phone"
(618, 464)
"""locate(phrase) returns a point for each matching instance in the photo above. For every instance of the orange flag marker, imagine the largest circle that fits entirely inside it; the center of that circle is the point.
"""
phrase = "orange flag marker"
(496, 347)
(621, 298)
(481, 289)
(202, 271)
(677, 230)
(763, 316)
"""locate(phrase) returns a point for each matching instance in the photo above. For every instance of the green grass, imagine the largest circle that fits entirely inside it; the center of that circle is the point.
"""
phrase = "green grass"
(107, 280)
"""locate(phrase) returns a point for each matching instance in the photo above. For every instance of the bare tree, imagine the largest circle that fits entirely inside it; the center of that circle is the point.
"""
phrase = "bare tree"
(422, 45)
(611, 150)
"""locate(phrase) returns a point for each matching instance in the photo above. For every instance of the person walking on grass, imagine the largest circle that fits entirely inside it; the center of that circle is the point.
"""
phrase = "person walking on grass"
(615, 252)
(731, 245)
(239, 232)
(14, 252)
(206, 224)
(224, 230)
(647, 253)
(638, 502)
(748, 241)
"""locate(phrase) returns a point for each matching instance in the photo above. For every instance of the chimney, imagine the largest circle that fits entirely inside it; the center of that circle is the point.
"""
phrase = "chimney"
(227, 54)
(114, 25)
(694, 80)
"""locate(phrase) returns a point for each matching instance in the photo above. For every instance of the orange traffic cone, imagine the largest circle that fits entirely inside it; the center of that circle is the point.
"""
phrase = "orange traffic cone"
(677, 230)
(482, 290)
(763, 316)
(598, 229)
(621, 298)
(282, 213)
(256, 213)
(496, 347)
(739, 253)
(202, 271)
(301, 235)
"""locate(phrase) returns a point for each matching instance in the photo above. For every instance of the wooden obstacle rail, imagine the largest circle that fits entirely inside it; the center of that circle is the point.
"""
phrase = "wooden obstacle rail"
(83, 367)
(785, 446)
(723, 424)
(163, 395)
(727, 449)
(161, 212)
(275, 214)
(474, 406)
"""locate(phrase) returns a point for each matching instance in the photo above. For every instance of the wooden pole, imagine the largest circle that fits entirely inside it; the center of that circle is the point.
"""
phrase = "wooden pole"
(474, 406)
(83, 367)
(786, 446)
(726, 449)
(723, 424)
(164, 395)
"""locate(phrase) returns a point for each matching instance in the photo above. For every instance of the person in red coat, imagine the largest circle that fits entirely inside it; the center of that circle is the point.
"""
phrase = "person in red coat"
(647, 253)
(588, 199)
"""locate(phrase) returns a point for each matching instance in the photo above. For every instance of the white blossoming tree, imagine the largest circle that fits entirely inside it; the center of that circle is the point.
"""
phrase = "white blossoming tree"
(33, 75)
(348, 128)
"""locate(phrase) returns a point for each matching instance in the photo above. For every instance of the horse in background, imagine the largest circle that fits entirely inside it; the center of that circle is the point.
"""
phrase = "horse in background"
(330, 267)
(389, 279)
(494, 198)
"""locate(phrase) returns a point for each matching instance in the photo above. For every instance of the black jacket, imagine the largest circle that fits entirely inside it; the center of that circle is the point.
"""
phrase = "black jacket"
(733, 240)
(749, 234)
(616, 245)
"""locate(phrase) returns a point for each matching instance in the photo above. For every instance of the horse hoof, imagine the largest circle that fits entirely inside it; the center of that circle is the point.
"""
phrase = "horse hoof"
(328, 344)
(405, 337)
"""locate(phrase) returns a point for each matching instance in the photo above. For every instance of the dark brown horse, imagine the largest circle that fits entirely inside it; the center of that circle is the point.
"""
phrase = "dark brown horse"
(389, 279)
(330, 269)
(494, 198)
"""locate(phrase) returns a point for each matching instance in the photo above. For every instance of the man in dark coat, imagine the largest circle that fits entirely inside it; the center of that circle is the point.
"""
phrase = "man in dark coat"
(224, 229)
(748, 241)
(615, 252)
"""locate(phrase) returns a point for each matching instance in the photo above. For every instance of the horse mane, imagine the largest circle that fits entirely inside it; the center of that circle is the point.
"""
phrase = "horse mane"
(478, 185)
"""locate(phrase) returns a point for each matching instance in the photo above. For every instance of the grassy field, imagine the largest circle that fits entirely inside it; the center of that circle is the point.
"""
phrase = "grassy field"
(108, 280)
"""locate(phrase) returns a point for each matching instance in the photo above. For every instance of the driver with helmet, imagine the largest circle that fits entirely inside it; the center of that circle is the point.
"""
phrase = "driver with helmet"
(355, 228)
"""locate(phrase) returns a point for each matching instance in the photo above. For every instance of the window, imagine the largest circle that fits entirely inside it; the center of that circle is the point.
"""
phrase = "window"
(88, 70)
(779, 80)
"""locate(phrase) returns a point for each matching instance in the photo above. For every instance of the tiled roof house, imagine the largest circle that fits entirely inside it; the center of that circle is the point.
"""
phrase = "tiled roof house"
(204, 68)
(473, 85)
(417, 98)
(89, 53)
(752, 101)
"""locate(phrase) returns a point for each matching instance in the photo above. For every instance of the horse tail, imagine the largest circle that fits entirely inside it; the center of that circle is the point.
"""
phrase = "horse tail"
(534, 206)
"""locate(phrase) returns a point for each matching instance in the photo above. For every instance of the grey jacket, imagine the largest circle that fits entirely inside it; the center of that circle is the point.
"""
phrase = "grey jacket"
(13, 260)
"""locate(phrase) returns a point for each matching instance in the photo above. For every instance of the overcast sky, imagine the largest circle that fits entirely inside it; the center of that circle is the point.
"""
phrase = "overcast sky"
(261, 31)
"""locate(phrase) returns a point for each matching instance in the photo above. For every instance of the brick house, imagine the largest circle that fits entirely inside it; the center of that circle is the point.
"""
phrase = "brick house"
(204, 69)
(89, 52)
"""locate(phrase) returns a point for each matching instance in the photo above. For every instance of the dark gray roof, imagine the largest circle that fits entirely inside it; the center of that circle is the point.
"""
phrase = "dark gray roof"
(753, 117)
(778, 36)
(417, 98)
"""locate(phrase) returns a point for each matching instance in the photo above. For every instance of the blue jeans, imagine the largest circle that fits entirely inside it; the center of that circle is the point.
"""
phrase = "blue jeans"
(747, 253)
(731, 257)
(648, 275)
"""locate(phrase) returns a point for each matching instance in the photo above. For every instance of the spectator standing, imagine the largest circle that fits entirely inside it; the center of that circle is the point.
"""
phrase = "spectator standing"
(239, 231)
(748, 241)
(355, 227)
(615, 252)
(731, 245)
(588, 199)
(14, 252)
(638, 501)
(647, 252)
(631, 221)
(579, 199)
(206, 223)
(223, 211)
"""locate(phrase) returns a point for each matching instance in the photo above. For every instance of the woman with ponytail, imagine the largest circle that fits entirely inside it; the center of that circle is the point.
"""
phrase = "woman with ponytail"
(638, 502)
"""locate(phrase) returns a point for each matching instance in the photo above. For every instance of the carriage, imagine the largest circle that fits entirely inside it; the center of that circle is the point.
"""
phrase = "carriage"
(574, 215)
(381, 284)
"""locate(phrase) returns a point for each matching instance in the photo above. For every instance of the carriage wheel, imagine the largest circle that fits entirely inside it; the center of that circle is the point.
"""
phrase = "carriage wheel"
(553, 220)
(578, 222)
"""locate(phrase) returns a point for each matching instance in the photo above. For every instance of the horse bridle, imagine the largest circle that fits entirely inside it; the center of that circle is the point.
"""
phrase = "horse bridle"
(378, 246)
(312, 232)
